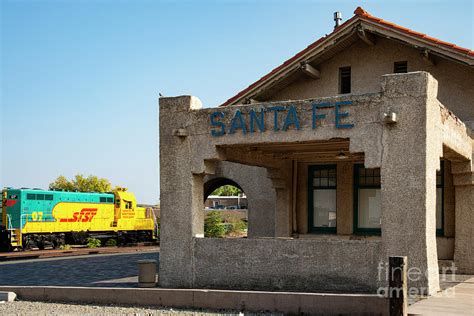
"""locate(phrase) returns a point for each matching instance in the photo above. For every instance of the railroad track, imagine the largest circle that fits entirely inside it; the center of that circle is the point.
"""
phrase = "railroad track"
(53, 253)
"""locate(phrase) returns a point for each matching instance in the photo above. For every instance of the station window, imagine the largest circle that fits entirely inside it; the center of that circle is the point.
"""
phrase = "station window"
(367, 200)
(345, 80)
(30, 196)
(322, 185)
(400, 67)
(440, 200)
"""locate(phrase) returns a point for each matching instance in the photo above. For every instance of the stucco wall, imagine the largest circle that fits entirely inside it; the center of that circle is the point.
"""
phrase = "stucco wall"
(287, 264)
(368, 63)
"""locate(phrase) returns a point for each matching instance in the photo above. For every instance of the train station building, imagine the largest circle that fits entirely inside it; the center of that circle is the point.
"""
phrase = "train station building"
(356, 149)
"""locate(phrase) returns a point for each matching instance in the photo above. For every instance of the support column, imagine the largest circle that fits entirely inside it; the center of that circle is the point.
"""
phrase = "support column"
(464, 218)
(411, 152)
(181, 194)
(281, 182)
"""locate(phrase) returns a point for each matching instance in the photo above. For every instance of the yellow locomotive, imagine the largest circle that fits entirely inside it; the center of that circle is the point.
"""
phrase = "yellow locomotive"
(37, 218)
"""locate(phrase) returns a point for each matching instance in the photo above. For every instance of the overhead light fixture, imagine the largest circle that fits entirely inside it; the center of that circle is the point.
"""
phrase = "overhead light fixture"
(342, 156)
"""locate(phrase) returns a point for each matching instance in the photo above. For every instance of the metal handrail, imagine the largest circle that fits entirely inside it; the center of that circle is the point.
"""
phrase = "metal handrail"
(9, 222)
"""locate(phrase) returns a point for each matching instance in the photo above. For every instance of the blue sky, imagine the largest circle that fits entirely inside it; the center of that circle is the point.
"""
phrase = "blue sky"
(80, 79)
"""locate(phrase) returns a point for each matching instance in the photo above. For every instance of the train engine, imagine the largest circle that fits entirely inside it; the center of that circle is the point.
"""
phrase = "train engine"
(37, 218)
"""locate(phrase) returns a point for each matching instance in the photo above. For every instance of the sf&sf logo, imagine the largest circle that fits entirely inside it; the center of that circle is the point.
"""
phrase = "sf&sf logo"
(85, 215)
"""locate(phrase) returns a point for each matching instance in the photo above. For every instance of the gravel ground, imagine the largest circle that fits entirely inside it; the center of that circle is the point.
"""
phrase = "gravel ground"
(50, 308)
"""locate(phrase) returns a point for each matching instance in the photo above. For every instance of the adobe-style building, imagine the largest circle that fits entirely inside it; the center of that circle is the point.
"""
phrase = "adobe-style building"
(356, 149)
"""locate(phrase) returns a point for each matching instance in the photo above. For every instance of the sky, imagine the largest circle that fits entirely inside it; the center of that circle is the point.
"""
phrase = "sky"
(80, 79)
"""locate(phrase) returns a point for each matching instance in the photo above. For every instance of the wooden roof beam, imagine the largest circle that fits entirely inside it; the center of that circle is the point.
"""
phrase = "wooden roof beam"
(428, 57)
(309, 70)
(366, 37)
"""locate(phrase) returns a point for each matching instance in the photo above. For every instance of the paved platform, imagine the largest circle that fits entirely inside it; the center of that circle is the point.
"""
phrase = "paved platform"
(99, 270)
(457, 298)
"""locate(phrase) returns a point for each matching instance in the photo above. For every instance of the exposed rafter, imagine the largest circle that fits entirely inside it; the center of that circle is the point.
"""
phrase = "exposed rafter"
(366, 37)
(427, 57)
(310, 70)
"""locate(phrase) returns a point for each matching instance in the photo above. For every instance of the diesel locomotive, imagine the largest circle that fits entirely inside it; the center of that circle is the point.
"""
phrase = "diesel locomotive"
(33, 218)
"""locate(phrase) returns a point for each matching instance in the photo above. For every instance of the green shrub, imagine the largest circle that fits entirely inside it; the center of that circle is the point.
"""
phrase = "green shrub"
(93, 242)
(111, 243)
(213, 226)
(238, 226)
(65, 247)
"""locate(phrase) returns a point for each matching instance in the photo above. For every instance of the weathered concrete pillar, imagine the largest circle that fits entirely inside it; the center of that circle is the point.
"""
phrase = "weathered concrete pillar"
(281, 182)
(411, 152)
(464, 218)
(181, 194)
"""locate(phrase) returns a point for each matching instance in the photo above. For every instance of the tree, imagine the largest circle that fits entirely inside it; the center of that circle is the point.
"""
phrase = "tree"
(227, 190)
(81, 184)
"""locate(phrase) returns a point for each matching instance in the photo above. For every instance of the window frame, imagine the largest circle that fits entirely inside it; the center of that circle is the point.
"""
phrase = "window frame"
(341, 70)
(356, 230)
(397, 64)
(440, 231)
(311, 228)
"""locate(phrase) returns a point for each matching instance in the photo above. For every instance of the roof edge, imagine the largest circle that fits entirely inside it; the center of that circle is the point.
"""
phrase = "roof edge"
(359, 15)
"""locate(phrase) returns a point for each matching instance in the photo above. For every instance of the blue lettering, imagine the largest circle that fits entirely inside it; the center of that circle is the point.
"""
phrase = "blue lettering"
(237, 122)
(255, 119)
(291, 119)
(317, 116)
(275, 109)
(340, 115)
(214, 116)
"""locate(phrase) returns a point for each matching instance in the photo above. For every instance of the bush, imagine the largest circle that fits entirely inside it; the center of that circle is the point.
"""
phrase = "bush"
(238, 226)
(111, 243)
(93, 242)
(65, 247)
(213, 226)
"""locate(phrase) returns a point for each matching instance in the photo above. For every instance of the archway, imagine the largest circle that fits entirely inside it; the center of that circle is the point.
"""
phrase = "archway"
(213, 184)
(225, 209)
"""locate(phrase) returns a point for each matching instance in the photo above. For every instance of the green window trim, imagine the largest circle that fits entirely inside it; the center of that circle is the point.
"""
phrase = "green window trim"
(356, 229)
(311, 228)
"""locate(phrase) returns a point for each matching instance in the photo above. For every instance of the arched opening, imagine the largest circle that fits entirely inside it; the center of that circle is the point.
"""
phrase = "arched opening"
(225, 209)
(213, 184)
